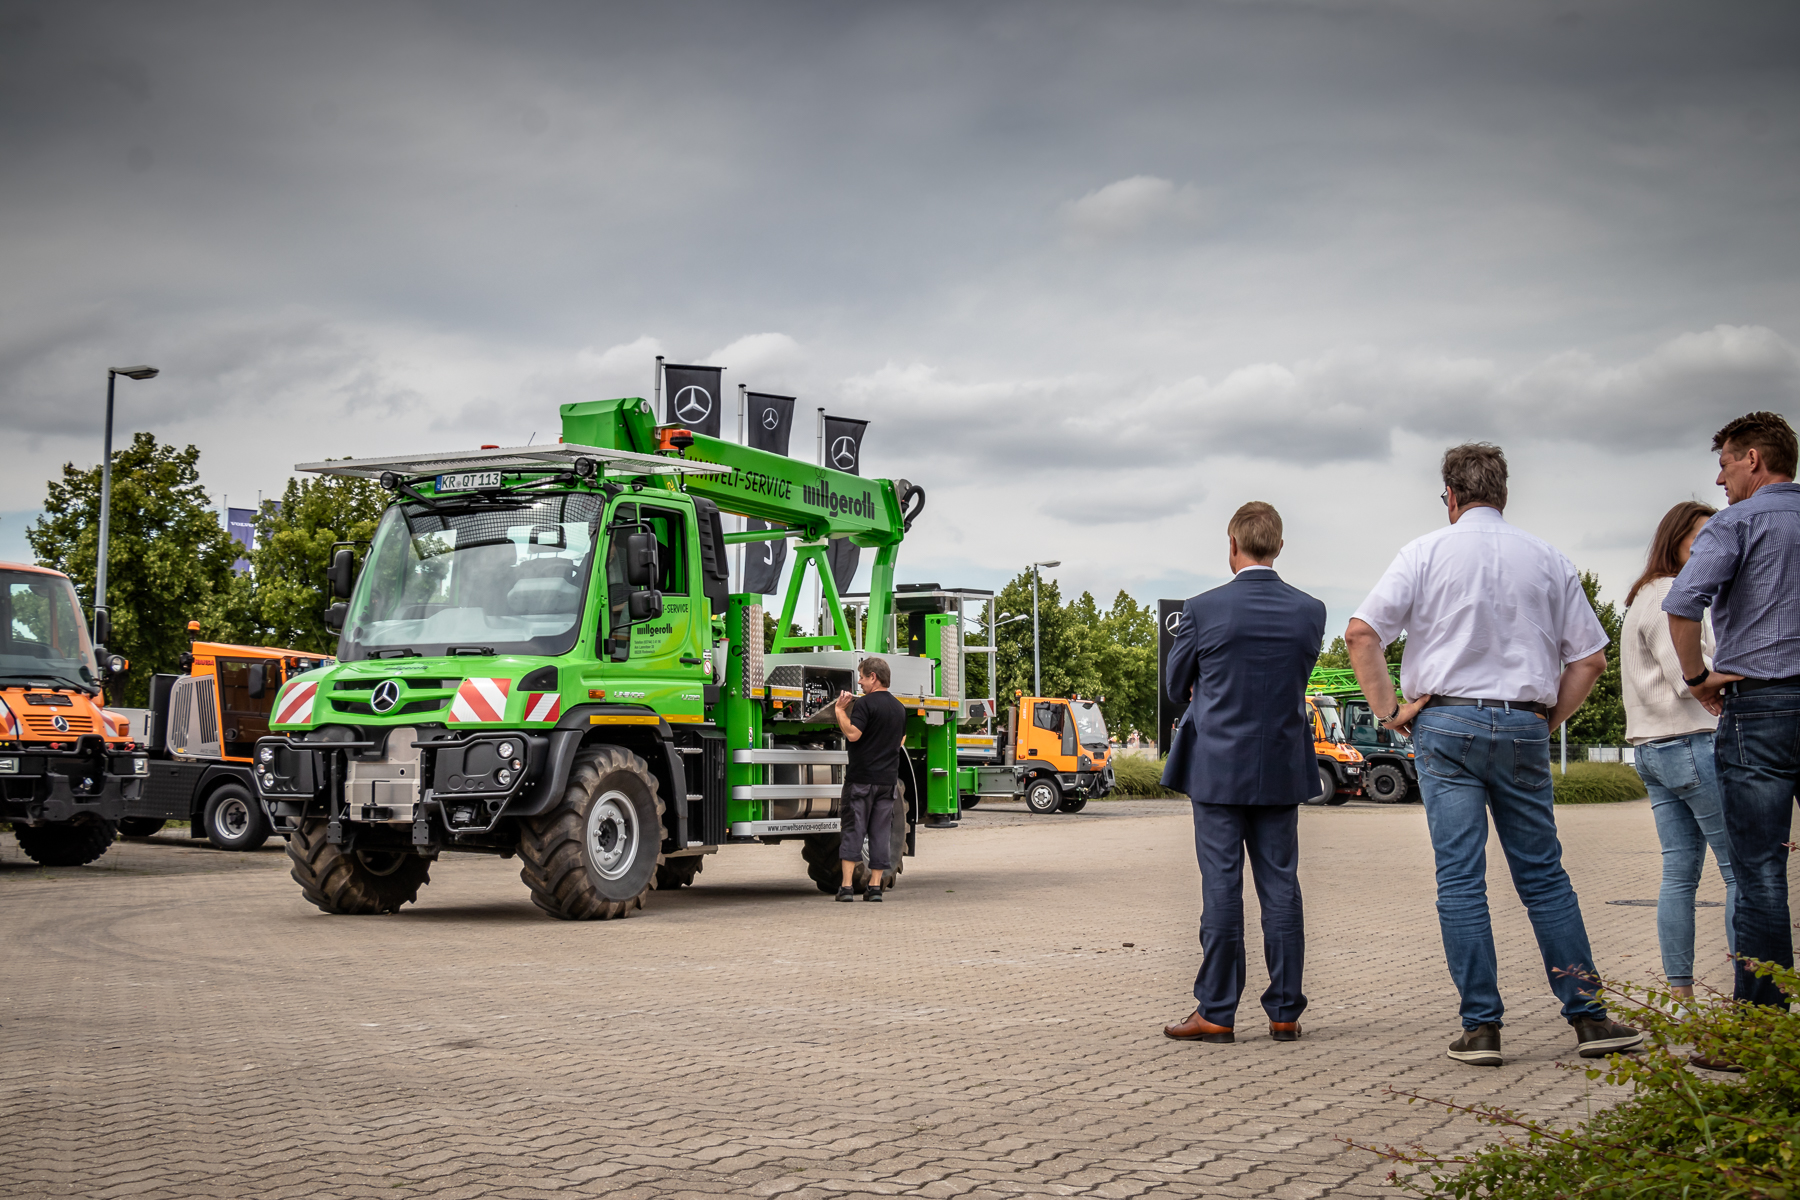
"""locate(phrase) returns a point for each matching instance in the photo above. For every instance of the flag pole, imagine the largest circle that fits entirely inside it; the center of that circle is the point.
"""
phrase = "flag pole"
(819, 589)
(657, 391)
(743, 522)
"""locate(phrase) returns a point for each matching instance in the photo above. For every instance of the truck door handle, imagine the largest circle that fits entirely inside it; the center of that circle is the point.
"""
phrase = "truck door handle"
(691, 662)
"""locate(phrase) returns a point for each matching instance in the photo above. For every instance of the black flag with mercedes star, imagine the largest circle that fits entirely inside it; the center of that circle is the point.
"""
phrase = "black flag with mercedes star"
(693, 397)
(843, 452)
(769, 426)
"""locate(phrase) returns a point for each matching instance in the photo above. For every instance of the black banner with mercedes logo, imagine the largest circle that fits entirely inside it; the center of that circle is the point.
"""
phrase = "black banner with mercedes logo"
(768, 425)
(843, 452)
(1169, 709)
(693, 397)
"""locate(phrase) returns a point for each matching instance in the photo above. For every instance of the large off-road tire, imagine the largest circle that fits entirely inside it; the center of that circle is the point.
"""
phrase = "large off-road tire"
(73, 844)
(594, 856)
(1385, 782)
(679, 872)
(357, 882)
(234, 819)
(1327, 787)
(140, 827)
(1043, 794)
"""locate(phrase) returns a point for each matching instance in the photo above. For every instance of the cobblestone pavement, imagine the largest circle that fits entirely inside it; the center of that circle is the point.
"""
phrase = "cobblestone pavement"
(177, 1022)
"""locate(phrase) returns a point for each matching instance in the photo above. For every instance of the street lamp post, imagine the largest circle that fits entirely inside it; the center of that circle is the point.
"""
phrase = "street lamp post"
(112, 373)
(1037, 676)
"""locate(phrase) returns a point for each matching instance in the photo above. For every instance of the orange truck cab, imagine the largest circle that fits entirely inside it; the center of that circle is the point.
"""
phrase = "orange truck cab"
(68, 768)
(202, 737)
(1340, 763)
(1054, 754)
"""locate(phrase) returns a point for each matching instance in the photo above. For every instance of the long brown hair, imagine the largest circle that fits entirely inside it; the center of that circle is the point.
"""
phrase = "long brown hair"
(1663, 562)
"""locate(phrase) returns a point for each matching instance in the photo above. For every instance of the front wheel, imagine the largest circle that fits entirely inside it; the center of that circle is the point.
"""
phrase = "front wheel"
(74, 844)
(594, 856)
(1327, 787)
(1385, 782)
(354, 882)
(234, 819)
(1073, 804)
(1043, 795)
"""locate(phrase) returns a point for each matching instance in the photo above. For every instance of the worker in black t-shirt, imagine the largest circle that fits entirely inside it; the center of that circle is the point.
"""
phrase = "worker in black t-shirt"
(874, 725)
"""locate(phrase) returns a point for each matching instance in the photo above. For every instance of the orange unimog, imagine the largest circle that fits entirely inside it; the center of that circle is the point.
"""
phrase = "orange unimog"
(201, 738)
(67, 766)
(1054, 754)
(1340, 763)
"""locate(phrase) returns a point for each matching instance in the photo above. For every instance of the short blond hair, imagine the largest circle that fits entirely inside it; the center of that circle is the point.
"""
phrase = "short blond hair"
(1257, 528)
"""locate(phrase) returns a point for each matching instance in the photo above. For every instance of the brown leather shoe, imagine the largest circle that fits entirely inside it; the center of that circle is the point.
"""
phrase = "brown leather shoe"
(1198, 1029)
(1285, 1031)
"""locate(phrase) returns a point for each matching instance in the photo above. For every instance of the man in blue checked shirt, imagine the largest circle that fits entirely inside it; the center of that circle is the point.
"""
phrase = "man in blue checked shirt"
(1745, 566)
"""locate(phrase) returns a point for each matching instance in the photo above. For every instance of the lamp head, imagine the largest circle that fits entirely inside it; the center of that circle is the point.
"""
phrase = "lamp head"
(1057, 563)
(135, 372)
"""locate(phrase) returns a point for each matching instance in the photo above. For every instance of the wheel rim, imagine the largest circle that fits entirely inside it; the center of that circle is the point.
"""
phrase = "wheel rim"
(232, 818)
(1042, 797)
(612, 835)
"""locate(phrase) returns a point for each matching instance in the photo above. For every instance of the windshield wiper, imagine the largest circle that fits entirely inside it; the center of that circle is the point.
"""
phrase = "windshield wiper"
(43, 679)
(481, 651)
(400, 652)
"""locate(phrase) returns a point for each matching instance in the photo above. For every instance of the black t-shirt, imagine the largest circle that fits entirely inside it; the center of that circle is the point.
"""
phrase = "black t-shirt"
(875, 756)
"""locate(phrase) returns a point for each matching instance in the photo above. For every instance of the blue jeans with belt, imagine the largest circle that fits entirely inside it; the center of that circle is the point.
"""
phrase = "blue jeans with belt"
(1757, 747)
(1684, 796)
(1472, 761)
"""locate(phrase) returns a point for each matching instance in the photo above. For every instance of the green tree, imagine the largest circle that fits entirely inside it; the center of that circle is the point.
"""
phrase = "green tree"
(1338, 653)
(168, 558)
(1128, 666)
(282, 599)
(1602, 718)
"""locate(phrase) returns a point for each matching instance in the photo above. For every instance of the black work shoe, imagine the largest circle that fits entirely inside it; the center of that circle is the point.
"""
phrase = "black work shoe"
(873, 894)
(1479, 1046)
(1596, 1037)
(845, 895)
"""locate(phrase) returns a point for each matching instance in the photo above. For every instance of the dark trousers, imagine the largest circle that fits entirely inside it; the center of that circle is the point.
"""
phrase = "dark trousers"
(867, 808)
(1757, 751)
(1270, 833)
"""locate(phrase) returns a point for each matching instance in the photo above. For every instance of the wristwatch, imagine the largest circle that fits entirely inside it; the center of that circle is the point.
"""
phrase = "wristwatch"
(1392, 715)
(1699, 679)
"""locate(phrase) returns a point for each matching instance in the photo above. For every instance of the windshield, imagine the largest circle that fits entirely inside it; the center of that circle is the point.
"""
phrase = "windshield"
(484, 578)
(1090, 726)
(1328, 715)
(42, 636)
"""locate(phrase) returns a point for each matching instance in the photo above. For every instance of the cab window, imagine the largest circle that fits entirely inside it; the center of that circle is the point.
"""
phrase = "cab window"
(670, 529)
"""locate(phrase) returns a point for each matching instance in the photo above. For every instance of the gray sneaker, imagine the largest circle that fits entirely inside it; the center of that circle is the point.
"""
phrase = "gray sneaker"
(1479, 1046)
(1596, 1037)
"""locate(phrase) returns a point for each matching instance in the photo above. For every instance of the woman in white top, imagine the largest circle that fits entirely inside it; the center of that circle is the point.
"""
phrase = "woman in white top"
(1674, 739)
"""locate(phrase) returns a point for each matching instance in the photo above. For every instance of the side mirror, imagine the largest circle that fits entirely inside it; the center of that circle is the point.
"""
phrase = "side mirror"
(102, 626)
(259, 681)
(644, 605)
(342, 575)
(640, 560)
(334, 616)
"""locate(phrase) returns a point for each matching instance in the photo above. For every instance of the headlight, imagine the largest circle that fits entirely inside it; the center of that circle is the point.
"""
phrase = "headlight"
(268, 780)
(9, 766)
(504, 775)
(507, 750)
(266, 755)
(140, 766)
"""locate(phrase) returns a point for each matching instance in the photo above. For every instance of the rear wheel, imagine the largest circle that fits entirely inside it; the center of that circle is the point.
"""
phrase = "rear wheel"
(826, 869)
(967, 801)
(74, 844)
(1043, 795)
(140, 827)
(353, 882)
(234, 819)
(1327, 786)
(1385, 782)
(1073, 804)
(594, 856)
(679, 872)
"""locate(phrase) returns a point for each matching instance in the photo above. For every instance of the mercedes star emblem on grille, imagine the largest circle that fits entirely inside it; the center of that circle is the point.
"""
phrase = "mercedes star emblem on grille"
(387, 694)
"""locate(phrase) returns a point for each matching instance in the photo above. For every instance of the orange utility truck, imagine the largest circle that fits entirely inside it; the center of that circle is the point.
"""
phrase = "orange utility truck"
(1054, 754)
(1340, 763)
(67, 766)
(202, 739)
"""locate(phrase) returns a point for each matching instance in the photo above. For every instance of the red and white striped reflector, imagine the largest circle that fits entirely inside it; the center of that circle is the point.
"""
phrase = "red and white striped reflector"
(296, 708)
(543, 706)
(9, 724)
(480, 700)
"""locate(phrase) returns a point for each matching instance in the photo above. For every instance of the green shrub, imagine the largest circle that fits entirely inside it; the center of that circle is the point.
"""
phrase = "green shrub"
(1597, 783)
(1139, 775)
(1678, 1134)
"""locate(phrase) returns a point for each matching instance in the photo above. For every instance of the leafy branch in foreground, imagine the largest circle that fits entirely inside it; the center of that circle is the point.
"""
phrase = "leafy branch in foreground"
(1678, 1134)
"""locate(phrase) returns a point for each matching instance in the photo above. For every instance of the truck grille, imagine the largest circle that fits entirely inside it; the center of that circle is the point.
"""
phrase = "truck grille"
(45, 726)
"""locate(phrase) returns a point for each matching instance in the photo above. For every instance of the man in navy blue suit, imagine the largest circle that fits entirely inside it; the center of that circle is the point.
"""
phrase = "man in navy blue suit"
(1243, 754)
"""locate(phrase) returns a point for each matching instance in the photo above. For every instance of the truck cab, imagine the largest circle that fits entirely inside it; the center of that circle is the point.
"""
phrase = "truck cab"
(1340, 763)
(67, 765)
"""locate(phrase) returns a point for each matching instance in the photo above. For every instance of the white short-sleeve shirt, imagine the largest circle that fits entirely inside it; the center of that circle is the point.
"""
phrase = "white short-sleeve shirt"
(1489, 612)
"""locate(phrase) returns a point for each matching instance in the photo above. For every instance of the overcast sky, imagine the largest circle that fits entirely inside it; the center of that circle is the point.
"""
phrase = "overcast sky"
(1096, 273)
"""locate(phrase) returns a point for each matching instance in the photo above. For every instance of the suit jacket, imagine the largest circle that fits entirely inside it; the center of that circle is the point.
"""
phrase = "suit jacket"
(1247, 649)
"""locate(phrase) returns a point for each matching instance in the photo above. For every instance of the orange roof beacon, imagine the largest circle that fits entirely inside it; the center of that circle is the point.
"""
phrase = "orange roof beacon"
(202, 732)
(68, 767)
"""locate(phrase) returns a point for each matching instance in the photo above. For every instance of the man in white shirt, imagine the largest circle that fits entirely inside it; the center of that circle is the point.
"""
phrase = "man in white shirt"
(1501, 647)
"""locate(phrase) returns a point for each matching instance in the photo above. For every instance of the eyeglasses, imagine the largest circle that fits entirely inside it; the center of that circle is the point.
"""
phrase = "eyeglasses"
(1445, 497)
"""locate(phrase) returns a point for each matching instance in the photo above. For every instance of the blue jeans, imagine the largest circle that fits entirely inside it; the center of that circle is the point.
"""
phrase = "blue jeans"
(1684, 796)
(1472, 760)
(1757, 748)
